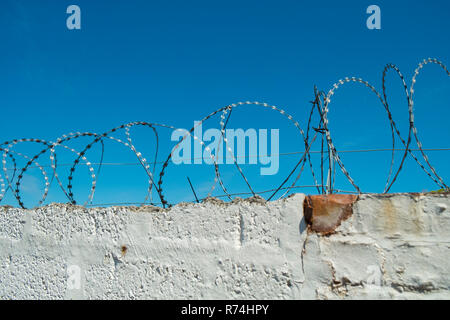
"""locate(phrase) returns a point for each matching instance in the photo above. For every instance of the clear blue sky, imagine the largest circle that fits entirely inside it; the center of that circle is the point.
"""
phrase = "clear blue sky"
(175, 61)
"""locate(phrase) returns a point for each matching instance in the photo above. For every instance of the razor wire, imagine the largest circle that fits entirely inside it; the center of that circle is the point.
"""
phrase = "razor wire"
(320, 106)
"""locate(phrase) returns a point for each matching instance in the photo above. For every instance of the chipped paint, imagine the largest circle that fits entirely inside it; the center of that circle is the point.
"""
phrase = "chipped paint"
(387, 247)
(324, 213)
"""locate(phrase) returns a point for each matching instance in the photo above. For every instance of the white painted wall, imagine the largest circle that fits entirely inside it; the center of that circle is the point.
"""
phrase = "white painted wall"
(392, 247)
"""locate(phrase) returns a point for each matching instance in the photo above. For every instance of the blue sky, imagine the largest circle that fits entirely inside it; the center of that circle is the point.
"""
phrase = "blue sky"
(175, 62)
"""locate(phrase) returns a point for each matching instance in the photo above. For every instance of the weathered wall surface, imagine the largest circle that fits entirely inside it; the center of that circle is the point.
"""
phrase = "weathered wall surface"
(390, 247)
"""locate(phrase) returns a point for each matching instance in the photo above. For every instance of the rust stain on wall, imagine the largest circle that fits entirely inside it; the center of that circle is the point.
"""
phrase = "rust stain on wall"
(324, 213)
(389, 217)
(394, 218)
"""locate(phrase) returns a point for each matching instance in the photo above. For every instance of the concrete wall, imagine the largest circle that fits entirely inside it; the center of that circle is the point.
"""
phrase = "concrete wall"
(390, 247)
